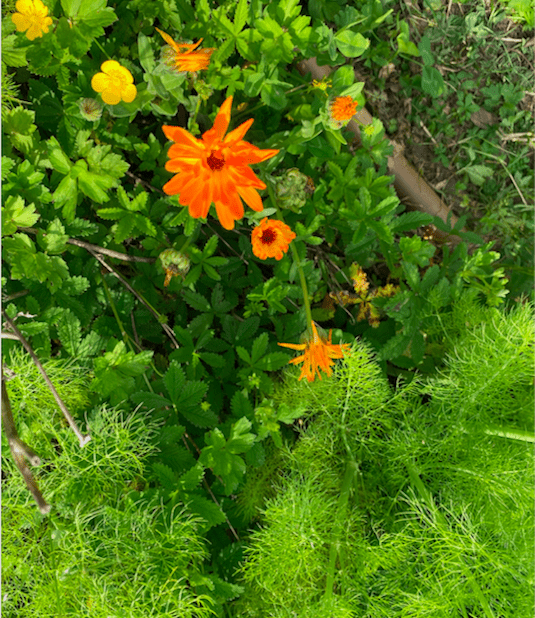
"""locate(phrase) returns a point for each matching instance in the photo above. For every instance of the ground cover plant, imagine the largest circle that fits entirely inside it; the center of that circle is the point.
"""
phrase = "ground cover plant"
(210, 270)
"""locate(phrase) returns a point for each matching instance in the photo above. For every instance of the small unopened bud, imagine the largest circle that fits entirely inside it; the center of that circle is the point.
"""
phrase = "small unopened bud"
(174, 263)
(90, 109)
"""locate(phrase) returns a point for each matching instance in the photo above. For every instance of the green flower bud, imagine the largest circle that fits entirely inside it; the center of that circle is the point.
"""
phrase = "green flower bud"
(291, 189)
(90, 109)
(174, 263)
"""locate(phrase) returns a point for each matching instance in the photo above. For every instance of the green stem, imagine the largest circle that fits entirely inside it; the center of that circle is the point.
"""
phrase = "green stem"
(297, 260)
(124, 334)
(341, 510)
(102, 49)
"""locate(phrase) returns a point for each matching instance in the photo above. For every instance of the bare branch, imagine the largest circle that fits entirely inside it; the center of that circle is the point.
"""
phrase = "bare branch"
(96, 249)
(21, 451)
(72, 423)
(166, 328)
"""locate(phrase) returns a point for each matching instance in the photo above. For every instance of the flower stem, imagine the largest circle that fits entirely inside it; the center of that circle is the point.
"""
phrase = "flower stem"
(102, 49)
(295, 253)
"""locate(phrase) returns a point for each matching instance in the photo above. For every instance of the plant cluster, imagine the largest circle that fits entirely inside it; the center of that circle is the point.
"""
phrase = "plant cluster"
(172, 276)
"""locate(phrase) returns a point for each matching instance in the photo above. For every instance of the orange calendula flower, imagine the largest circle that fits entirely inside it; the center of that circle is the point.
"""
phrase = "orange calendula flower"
(343, 108)
(115, 83)
(271, 239)
(32, 15)
(215, 169)
(185, 56)
(318, 354)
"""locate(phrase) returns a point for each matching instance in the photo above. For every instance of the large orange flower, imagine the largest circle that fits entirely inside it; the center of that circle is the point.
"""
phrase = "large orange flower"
(185, 56)
(319, 353)
(215, 169)
(271, 239)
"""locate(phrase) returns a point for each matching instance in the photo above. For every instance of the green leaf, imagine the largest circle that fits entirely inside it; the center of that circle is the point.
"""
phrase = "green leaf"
(432, 82)
(69, 332)
(152, 401)
(243, 354)
(241, 439)
(240, 17)
(273, 361)
(95, 186)
(59, 160)
(410, 221)
(13, 56)
(210, 512)
(174, 380)
(343, 77)
(259, 347)
(166, 477)
(15, 214)
(351, 44)
(240, 405)
(54, 240)
(146, 55)
(196, 301)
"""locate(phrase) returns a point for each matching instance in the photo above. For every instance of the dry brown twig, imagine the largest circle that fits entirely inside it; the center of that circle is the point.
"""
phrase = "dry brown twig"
(21, 451)
(72, 423)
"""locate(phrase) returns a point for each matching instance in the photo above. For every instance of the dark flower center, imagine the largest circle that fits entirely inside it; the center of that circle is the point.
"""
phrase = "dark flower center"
(268, 237)
(215, 163)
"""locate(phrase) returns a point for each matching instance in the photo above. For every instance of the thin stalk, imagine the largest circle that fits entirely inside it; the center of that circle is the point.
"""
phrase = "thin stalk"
(297, 260)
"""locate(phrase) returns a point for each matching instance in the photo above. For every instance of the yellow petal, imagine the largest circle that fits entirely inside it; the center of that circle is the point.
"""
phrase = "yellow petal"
(99, 82)
(24, 6)
(110, 65)
(21, 22)
(129, 93)
(111, 97)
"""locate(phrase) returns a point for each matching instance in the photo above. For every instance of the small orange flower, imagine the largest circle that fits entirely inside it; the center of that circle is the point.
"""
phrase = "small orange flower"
(183, 57)
(271, 239)
(343, 108)
(115, 83)
(215, 169)
(319, 353)
(32, 16)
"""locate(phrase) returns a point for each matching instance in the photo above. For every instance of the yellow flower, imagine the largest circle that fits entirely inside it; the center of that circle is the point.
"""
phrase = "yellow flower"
(318, 354)
(185, 56)
(215, 169)
(32, 16)
(271, 239)
(343, 108)
(115, 83)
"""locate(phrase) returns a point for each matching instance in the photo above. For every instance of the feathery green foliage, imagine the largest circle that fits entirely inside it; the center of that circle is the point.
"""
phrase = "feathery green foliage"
(439, 517)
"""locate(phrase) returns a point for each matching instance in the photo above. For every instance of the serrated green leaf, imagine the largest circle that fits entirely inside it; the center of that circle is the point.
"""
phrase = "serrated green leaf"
(241, 439)
(15, 214)
(69, 332)
(273, 361)
(240, 17)
(192, 478)
(59, 160)
(259, 347)
(410, 221)
(174, 380)
(196, 301)
(214, 360)
(166, 477)
(243, 354)
(152, 401)
(210, 512)
(240, 405)
(123, 229)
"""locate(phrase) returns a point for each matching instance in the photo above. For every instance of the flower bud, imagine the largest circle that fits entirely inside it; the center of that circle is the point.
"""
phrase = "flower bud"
(174, 263)
(90, 109)
(292, 189)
